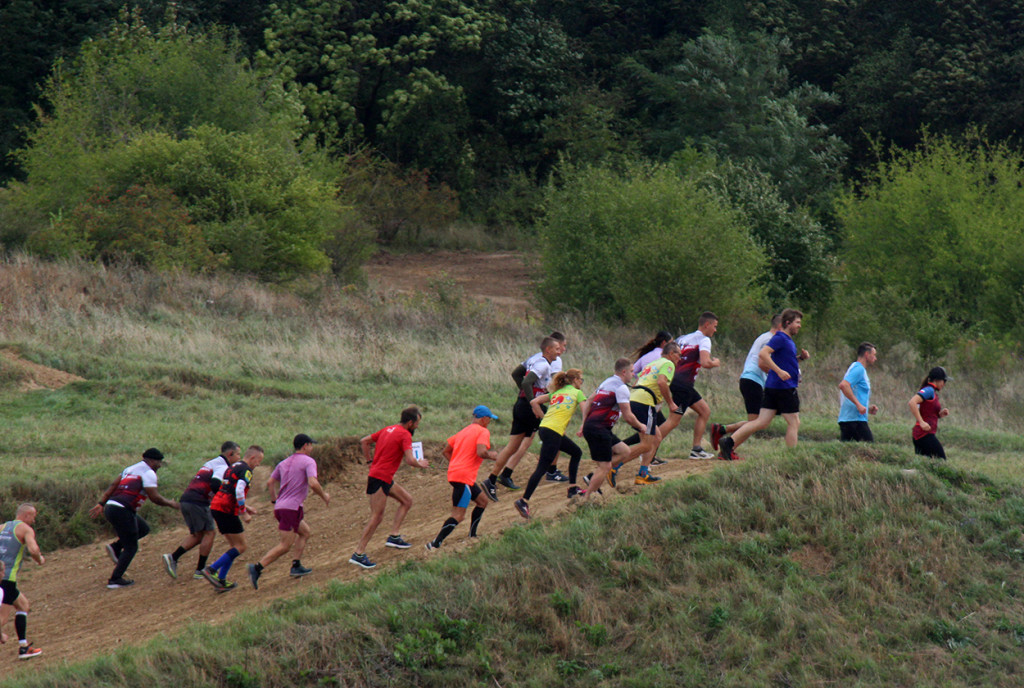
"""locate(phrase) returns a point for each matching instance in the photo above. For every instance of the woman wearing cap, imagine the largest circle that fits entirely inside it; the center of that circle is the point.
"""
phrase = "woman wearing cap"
(564, 397)
(927, 409)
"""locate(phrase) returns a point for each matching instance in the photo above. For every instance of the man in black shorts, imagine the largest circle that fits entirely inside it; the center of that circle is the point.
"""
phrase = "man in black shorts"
(600, 412)
(229, 510)
(524, 420)
(781, 357)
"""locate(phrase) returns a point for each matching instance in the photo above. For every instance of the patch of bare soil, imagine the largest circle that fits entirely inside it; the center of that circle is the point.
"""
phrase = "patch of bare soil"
(503, 279)
(39, 376)
(74, 616)
(814, 559)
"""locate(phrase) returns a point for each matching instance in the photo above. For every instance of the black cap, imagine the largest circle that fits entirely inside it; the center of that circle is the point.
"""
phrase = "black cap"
(153, 454)
(938, 373)
(302, 440)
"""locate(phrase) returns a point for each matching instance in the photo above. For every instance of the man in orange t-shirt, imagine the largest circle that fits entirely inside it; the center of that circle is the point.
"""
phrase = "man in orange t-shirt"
(465, 451)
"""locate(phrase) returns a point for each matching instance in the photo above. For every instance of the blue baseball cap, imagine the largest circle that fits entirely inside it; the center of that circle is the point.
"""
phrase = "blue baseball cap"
(482, 411)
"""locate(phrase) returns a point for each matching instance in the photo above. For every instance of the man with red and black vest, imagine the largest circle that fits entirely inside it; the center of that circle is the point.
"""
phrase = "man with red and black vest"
(229, 509)
(195, 509)
(694, 354)
(120, 504)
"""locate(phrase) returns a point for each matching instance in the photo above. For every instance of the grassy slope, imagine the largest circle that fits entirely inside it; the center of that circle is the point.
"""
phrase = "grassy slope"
(800, 568)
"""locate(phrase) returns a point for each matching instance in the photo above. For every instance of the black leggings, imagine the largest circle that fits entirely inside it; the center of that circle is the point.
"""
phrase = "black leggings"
(929, 445)
(551, 444)
(130, 528)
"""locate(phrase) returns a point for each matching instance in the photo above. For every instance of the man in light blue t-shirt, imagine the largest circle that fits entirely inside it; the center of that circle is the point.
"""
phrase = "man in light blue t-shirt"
(855, 406)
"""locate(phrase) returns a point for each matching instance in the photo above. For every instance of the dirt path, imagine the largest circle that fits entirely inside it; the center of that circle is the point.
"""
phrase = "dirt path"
(75, 617)
(503, 279)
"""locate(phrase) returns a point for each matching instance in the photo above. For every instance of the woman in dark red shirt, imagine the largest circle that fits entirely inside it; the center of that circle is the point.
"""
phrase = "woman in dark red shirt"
(927, 409)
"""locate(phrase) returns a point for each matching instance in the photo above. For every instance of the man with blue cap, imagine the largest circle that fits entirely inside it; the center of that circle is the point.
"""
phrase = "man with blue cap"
(465, 451)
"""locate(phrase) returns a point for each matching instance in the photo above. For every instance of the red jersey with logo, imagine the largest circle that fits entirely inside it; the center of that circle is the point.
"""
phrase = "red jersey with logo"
(390, 445)
(131, 490)
(230, 498)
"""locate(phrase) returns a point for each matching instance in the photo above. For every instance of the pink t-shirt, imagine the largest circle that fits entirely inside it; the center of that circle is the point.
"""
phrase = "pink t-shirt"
(293, 473)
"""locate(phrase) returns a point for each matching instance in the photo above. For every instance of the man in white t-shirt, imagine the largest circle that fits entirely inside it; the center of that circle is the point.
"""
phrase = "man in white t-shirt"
(524, 422)
(120, 503)
(600, 412)
(694, 354)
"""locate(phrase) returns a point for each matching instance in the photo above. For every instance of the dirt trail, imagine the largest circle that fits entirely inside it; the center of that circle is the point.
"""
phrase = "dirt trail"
(74, 616)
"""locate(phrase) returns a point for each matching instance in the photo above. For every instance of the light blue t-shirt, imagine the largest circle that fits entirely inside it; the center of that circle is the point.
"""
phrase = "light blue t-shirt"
(857, 376)
(751, 371)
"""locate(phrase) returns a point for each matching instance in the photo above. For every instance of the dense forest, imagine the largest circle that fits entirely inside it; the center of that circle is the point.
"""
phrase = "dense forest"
(856, 158)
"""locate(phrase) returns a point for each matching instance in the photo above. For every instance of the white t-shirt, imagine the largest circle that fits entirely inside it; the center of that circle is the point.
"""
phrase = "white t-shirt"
(652, 355)
(541, 367)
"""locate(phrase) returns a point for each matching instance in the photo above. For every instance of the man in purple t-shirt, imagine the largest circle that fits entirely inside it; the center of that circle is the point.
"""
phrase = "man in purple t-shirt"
(780, 359)
(289, 484)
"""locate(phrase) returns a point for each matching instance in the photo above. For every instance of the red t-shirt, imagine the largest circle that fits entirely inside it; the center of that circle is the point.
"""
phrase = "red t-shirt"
(391, 443)
(464, 464)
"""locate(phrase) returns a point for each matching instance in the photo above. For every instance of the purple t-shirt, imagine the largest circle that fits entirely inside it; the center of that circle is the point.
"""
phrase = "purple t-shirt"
(293, 473)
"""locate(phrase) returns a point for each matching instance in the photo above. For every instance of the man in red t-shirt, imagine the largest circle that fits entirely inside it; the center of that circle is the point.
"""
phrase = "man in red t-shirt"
(465, 451)
(391, 445)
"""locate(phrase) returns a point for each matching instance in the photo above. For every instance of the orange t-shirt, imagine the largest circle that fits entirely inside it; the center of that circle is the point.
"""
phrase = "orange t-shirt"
(464, 464)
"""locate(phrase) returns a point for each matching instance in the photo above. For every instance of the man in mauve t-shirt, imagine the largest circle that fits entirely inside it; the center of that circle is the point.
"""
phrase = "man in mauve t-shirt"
(290, 482)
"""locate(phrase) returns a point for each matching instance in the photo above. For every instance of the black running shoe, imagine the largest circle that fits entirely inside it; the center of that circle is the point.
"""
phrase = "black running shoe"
(115, 583)
(490, 490)
(506, 481)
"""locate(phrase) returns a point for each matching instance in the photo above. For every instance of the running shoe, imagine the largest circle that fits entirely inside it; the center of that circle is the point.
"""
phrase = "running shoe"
(733, 456)
(298, 570)
(397, 542)
(361, 560)
(115, 583)
(506, 480)
(586, 481)
(226, 585)
(254, 576)
(431, 546)
(28, 652)
(698, 453)
(198, 575)
(659, 462)
(646, 479)
(556, 476)
(211, 576)
(523, 508)
(575, 491)
(490, 489)
(613, 474)
(111, 552)
(725, 447)
(170, 565)
(717, 433)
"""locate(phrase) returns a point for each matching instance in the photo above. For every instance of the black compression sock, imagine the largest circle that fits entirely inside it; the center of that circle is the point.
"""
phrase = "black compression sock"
(506, 473)
(177, 553)
(446, 530)
(474, 520)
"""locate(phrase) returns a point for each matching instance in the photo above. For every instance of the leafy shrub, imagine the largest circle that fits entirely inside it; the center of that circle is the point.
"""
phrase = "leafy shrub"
(933, 240)
(146, 225)
(646, 245)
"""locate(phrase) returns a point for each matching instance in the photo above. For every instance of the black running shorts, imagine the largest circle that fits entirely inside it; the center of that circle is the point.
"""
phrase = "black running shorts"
(600, 439)
(753, 395)
(645, 414)
(781, 400)
(684, 395)
(524, 420)
(374, 484)
(227, 524)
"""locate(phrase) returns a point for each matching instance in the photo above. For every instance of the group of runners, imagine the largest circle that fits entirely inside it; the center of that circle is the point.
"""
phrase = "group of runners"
(660, 375)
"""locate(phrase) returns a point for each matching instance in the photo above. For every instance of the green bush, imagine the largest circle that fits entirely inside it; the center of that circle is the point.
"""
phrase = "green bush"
(645, 245)
(933, 240)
